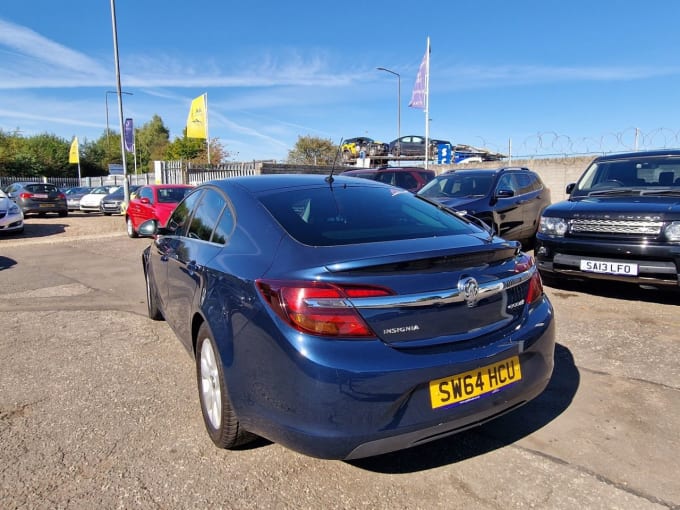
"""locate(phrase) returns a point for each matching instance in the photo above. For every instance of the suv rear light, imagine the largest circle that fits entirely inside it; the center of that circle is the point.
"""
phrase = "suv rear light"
(320, 308)
(25, 196)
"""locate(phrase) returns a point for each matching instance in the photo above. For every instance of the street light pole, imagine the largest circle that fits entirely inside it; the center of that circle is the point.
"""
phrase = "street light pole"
(398, 100)
(106, 97)
(114, 28)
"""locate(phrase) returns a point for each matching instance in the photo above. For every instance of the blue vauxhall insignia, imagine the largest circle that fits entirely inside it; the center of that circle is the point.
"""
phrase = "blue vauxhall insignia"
(345, 318)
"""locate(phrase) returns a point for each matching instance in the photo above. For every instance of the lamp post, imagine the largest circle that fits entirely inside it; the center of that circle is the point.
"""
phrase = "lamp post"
(398, 102)
(114, 29)
(106, 97)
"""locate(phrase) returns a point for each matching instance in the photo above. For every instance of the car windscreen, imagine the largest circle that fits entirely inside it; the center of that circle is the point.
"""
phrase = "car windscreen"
(458, 184)
(630, 173)
(331, 216)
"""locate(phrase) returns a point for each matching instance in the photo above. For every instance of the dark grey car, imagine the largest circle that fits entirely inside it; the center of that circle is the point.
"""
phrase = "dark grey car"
(38, 198)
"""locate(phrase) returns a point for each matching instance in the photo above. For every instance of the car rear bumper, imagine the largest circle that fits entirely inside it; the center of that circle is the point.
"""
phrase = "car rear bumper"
(657, 264)
(38, 207)
(352, 399)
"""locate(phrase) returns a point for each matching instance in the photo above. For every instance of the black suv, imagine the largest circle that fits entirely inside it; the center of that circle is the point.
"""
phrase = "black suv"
(511, 199)
(621, 222)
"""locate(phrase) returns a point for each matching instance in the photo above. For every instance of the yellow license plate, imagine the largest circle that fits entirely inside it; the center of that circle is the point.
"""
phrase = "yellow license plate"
(474, 383)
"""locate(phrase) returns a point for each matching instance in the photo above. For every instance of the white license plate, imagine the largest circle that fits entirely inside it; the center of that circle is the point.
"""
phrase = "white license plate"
(40, 195)
(606, 267)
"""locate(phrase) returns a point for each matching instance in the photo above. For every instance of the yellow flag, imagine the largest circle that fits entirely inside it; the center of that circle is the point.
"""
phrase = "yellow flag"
(197, 121)
(73, 156)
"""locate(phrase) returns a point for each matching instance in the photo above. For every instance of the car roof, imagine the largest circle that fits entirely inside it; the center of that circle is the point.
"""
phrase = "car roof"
(493, 171)
(263, 183)
(404, 169)
(639, 154)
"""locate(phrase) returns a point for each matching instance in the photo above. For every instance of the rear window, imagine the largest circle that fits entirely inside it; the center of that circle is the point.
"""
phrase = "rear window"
(354, 215)
(41, 188)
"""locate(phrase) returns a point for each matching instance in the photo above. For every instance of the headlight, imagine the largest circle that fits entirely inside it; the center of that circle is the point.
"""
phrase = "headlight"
(673, 231)
(553, 226)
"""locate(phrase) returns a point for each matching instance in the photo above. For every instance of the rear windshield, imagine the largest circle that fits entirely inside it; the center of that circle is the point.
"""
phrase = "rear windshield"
(353, 214)
(41, 188)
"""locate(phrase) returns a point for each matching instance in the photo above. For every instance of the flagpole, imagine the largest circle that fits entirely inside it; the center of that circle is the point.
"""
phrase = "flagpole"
(134, 147)
(207, 133)
(427, 103)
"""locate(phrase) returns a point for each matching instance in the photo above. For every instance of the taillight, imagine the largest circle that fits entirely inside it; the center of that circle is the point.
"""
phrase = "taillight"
(525, 263)
(25, 196)
(61, 196)
(320, 308)
(535, 288)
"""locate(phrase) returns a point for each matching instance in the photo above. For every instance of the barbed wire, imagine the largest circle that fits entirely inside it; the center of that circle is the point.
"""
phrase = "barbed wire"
(553, 144)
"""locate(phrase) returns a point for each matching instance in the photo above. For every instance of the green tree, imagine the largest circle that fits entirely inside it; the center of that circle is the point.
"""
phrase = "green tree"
(152, 140)
(311, 150)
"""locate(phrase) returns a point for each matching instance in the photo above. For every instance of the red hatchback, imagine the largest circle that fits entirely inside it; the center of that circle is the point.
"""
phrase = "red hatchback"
(153, 202)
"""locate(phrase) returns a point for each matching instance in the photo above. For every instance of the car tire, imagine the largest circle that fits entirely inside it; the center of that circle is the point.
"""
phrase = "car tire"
(220, 420)
(131, 232)
(152, 299)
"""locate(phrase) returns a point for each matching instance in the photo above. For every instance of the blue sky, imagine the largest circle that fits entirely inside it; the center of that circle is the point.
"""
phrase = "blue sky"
(550, 76)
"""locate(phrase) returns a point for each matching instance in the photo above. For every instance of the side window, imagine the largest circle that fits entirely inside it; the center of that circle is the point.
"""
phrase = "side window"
(507, 181)
(178, 221)
(146, 193)
(405, 180)
(224, 227)
(523, 183)
(206, 215)
(385, 177)
(536, 183)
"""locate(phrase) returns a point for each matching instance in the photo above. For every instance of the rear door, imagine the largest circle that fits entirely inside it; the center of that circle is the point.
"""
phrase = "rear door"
(508, 214)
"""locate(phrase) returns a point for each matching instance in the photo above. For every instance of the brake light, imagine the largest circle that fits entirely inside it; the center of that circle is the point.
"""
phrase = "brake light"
(25, 196)
(535, 288)
(319, 308)
(525, 263)
(61, 196)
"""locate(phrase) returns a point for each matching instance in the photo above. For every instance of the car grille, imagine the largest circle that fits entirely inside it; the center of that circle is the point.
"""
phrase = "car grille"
(618, 227)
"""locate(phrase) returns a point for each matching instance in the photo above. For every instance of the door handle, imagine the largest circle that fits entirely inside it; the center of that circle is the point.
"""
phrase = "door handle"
(193, 267)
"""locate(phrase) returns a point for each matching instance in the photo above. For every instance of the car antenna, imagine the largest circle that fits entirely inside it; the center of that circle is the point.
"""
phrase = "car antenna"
(330, 179)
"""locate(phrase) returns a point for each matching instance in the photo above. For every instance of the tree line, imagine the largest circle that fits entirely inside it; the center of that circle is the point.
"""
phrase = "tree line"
(48, 155)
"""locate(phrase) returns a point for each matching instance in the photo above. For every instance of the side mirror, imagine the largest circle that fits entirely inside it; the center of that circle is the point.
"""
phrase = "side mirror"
(570, 187)
(148, 228)
(505, 193)
(144, 200)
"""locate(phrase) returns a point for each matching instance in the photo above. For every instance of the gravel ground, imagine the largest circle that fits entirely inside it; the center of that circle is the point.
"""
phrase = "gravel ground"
(52, 228)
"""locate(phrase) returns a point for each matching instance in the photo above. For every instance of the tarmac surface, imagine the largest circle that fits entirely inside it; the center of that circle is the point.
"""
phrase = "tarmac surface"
(99, 407)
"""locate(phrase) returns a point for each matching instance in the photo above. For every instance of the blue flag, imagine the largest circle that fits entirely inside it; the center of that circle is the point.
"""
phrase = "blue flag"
(129, 136)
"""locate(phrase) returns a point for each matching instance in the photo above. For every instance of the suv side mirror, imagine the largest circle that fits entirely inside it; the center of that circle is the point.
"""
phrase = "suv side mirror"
(505, 193)
(570, 187)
